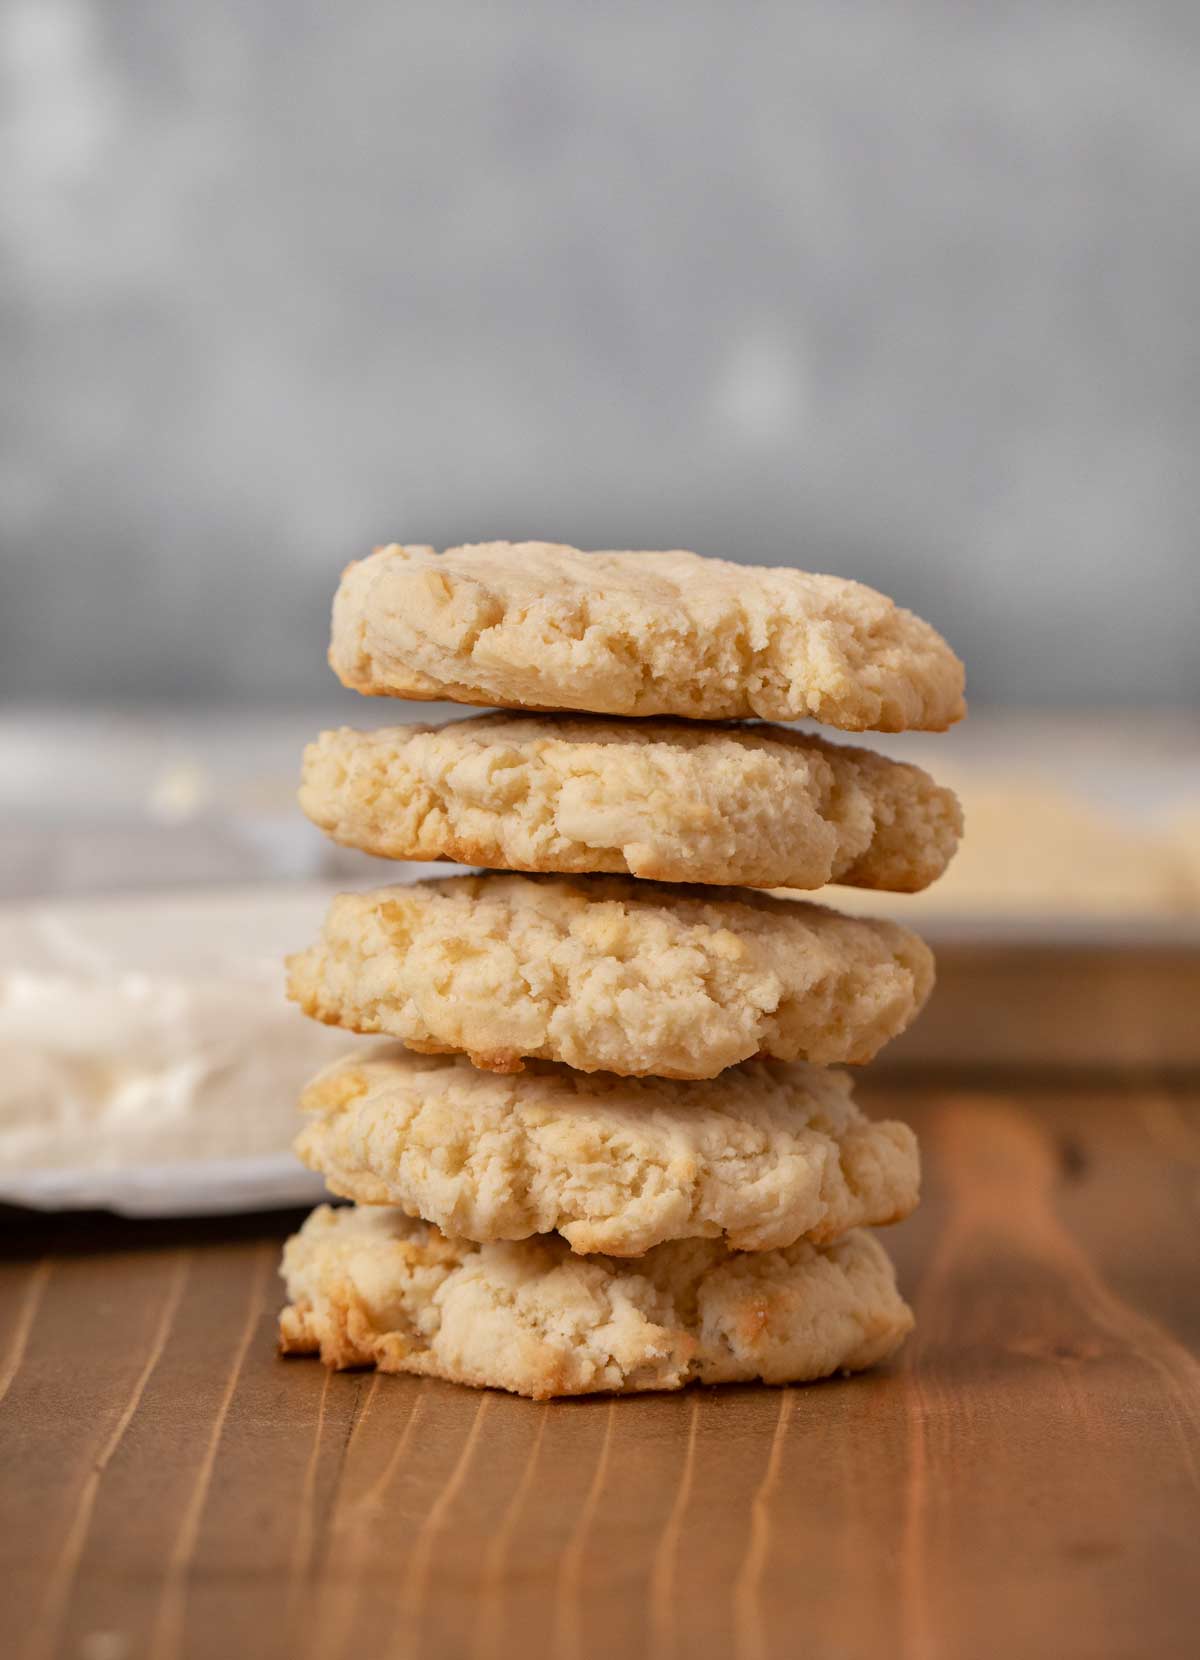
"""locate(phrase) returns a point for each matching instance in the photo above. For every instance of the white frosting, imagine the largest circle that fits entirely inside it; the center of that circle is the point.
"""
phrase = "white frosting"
(153, 1031)
(102, 1072)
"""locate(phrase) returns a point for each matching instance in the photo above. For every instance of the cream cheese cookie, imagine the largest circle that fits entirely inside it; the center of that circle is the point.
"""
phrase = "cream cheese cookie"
(610, 974)
(764, 1155)
(755, 806)
(372, 1287)
(538, 626)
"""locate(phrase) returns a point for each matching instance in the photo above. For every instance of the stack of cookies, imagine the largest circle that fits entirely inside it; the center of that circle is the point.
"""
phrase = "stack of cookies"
(611, 1150)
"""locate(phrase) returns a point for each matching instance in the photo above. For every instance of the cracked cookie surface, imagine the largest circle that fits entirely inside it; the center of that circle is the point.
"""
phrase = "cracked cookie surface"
(766, 1154)
(610, 974)
(538, 625)
(672, 801)
(370, 1286)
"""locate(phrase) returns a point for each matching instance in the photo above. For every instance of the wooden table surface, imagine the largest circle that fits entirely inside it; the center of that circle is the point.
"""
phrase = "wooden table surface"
(1024, 1479)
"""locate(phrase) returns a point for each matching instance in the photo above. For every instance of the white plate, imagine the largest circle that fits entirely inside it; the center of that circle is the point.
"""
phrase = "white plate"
(199, 1187)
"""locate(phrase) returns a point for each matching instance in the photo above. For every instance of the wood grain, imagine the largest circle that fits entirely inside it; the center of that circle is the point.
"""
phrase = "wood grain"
(1024, 1478)
(1056, 1006)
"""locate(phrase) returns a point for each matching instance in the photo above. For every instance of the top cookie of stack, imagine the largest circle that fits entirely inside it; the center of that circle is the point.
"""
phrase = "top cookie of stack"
(531, 625)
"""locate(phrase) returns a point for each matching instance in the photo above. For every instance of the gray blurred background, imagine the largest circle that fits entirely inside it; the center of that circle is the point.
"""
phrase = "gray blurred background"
(906, 292)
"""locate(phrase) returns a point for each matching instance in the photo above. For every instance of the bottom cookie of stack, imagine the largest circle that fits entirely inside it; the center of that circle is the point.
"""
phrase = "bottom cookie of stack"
(371, 1286)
